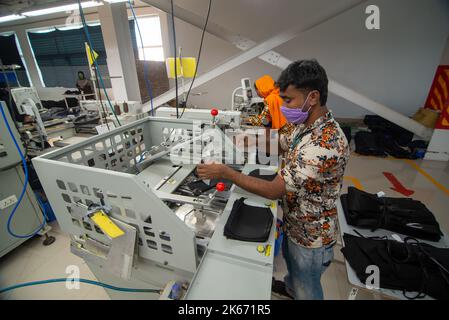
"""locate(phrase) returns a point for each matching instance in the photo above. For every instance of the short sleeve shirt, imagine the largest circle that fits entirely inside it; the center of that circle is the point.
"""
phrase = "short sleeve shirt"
(315, 163)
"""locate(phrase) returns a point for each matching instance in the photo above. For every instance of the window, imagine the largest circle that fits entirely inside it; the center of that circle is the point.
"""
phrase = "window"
(61, 53)
(150, 28)
(11, 54)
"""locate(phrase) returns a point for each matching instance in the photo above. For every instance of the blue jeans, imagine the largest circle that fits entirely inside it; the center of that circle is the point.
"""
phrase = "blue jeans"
(305, 267)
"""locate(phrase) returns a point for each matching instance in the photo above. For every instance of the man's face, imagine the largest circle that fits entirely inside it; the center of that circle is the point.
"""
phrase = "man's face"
(294, 98)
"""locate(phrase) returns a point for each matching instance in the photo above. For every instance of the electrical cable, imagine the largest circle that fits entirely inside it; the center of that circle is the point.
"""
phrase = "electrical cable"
(174, 60)
(86, 32)
(198, 57)
(25, 169)
(96, 283)
(104, 115)
(145, 69)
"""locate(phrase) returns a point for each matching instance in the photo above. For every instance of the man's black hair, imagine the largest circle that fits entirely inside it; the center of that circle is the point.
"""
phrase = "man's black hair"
(305, 74)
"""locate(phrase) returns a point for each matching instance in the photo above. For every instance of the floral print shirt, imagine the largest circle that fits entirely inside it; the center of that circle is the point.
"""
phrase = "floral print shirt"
(313, 175)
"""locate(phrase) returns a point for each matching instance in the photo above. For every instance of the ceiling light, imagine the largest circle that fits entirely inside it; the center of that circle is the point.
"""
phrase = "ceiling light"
(69, 7)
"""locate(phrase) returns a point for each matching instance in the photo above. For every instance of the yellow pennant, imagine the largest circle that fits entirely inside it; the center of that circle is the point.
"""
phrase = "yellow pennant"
(91, 54)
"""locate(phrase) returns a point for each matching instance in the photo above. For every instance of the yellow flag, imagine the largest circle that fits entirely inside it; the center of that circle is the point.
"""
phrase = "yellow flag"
(185, 67)
(91, 54)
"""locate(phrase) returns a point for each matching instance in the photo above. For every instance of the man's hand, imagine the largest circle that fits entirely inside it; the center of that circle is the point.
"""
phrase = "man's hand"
(268, 189)
(212, 171)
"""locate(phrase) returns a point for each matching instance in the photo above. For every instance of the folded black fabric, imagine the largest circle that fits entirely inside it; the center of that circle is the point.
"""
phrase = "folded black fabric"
(410, 266)
(248, 223)
(262, 175)
(403, 215)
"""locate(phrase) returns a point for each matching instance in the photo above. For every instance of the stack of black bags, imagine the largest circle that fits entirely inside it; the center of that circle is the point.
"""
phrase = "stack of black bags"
(386, 138)
(410, 265)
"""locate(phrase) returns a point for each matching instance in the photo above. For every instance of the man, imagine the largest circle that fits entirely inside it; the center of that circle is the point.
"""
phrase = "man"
(85, 86)
(266, 89)
(310, 182)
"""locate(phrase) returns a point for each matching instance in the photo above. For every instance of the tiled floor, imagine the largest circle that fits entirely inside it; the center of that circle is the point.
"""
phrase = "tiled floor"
(32, 261)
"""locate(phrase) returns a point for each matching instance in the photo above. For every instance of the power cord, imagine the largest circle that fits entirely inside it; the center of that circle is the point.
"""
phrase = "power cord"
(97, 68)
(198, 58)
(147, 81)
(174, 61)
(92, 282)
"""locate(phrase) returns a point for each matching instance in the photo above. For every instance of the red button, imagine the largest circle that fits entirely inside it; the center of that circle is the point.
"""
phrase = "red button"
(220, 186)
(214, 112)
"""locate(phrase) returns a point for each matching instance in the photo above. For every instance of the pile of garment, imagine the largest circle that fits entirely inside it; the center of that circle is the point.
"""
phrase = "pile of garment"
(403, 215)
(386, 138)
(58, 110)
(409, 266)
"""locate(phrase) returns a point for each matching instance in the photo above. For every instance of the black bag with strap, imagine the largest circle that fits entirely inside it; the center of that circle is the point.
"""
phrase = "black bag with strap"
(248, 223)
(403, 215)
(410, 266)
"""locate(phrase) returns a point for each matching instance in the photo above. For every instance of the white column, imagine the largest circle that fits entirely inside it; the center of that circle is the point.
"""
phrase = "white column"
(120, 55)
(31, 65)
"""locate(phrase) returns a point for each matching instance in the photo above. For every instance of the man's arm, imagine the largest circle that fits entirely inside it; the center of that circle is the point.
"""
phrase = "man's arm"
(268, 189)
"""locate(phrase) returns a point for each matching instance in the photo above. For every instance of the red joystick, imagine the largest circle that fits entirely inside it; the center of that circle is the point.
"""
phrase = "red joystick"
(214, 112)
(220, 186)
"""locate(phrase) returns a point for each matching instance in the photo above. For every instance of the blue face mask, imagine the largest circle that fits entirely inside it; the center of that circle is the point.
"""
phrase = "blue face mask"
(297, 115)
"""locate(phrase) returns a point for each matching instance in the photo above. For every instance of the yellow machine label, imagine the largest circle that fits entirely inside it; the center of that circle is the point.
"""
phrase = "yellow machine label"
(106, 225)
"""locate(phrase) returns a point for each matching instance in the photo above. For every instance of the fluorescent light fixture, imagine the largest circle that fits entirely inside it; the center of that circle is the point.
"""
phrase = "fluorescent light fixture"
(115, 1)
(43, 30)
(70, 27)
(69, 7)
(11, 17)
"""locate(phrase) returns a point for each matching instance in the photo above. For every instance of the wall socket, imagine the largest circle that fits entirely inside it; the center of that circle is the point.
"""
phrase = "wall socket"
(7, 202)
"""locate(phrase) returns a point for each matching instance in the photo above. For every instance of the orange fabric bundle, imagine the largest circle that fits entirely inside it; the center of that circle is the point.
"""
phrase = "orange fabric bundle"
(270, 93)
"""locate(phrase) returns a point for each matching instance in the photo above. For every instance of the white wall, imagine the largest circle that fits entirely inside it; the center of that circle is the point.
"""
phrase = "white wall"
(445, 58)
(394, 65)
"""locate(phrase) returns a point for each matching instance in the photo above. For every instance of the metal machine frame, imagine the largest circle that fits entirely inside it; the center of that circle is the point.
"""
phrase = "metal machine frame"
(106, 170)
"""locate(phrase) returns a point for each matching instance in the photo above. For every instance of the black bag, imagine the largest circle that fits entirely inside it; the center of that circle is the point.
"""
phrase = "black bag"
(258, 174)
(409, 266)
(378, 124)
(366, 144)
(348, 133)
(248, 223)
(404, 215)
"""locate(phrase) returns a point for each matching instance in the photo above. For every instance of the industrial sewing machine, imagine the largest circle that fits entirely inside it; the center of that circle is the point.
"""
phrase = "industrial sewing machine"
(243, 106)
(223, 119)
(38, 133)
(27, 216)
(128, 199)
(246, 102)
